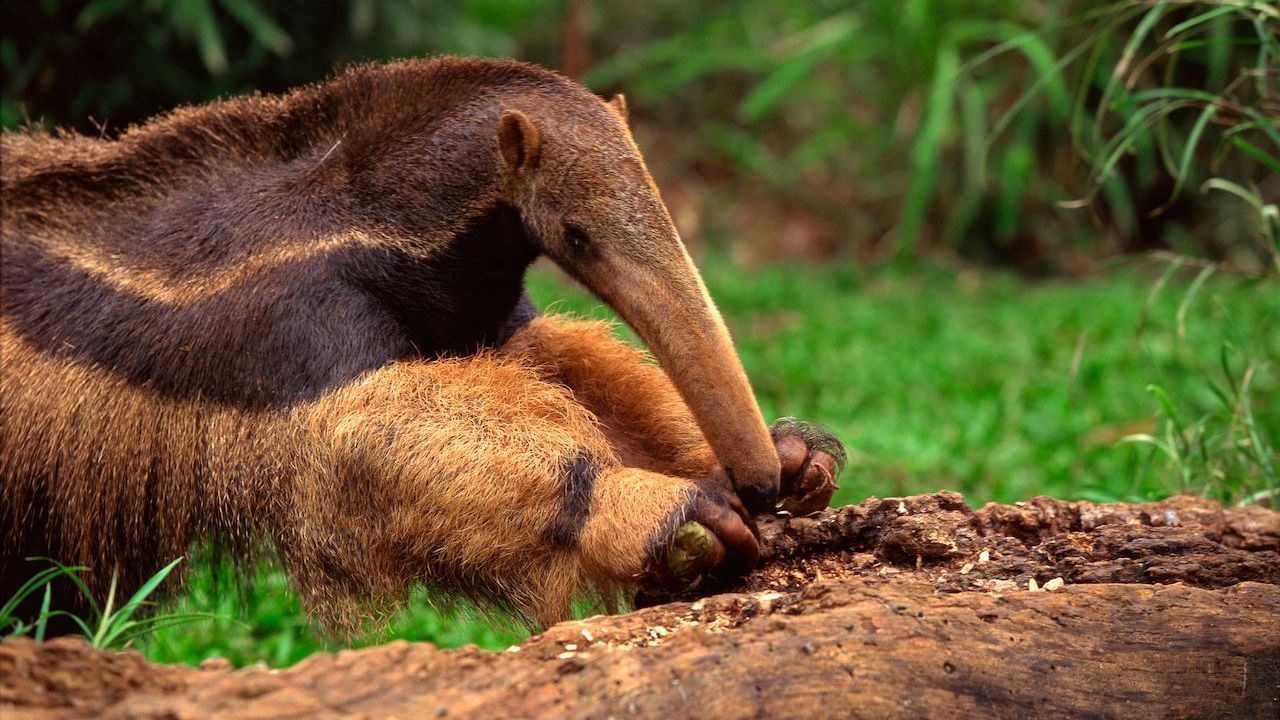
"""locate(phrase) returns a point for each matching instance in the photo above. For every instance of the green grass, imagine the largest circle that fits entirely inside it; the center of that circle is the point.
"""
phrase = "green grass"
(995, 386)
(262, 620)
(987, 384)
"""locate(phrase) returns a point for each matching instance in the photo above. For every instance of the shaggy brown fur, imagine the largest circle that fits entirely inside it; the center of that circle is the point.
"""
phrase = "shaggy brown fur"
(640, 412)
(300, 319)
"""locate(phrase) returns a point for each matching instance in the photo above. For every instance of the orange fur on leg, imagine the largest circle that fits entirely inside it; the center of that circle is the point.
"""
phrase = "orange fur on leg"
(473, 475)
(643, 414)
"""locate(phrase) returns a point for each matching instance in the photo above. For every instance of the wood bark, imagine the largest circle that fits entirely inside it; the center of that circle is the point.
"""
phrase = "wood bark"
(911, 607)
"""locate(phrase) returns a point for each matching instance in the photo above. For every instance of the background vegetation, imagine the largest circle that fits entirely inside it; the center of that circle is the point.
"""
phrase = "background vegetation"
(1007, 248)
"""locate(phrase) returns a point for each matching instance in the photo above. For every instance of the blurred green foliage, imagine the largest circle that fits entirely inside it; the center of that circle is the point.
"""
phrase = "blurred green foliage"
(1038, 135)
(110, 63)
(1023, 133)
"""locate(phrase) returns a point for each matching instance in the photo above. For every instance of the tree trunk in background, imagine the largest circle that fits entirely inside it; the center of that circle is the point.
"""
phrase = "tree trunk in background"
(913, 607)
(575, 49)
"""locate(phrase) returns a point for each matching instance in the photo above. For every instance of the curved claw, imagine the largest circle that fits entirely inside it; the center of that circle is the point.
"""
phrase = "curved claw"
(812, 457)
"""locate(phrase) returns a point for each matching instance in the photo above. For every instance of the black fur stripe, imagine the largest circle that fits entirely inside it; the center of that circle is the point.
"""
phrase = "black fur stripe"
(523, 314)
(286, 334)
(579, 477)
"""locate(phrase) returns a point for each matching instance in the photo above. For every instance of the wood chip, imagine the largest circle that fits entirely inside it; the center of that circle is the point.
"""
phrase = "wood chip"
(1032, 585)
(984, 556)
(966, 568)
(566, 655)
(1054, 584)
(902, 508)
(570, 646)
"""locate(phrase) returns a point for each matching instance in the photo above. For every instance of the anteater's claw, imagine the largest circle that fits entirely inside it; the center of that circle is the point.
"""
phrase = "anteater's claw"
(812, 457)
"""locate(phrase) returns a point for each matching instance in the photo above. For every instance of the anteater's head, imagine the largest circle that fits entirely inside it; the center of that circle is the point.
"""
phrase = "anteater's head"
(574, 172)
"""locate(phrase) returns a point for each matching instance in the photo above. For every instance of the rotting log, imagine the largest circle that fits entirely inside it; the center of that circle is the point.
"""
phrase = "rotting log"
(911, 607)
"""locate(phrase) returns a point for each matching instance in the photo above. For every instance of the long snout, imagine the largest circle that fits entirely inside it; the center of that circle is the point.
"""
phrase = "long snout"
(667, 304)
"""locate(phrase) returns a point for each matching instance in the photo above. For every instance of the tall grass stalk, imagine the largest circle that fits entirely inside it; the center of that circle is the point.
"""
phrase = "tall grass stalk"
(107, 626)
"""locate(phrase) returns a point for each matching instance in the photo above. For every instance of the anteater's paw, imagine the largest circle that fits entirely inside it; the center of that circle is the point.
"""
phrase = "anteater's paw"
(718, 538)
(812, 459)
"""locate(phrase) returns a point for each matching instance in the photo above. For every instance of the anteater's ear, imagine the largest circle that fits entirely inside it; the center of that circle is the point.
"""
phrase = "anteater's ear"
(519, 140)
(619, 104)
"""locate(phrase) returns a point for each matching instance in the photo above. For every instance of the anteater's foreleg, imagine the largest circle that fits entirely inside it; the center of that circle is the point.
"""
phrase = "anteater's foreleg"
(640, 410)
(477, 475)
(649, 424)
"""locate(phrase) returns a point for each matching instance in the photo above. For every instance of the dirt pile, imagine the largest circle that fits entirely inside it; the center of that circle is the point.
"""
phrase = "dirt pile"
(903, 607)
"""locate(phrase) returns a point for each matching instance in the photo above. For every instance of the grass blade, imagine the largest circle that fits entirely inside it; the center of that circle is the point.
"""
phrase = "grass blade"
(260, 25)
(800, 52)
(1166, 407)
(138, 628)
(107, 617)
(1188, 153)
(42, 620)
(1181, 316)
(200, 21)
(1121, 68)
(926, 152)
(1235, 189)
(41, 579)
(114, 625)
(1200, 19)
(25, 590)
(1261, 450)
(1257, 153)
(1031, 92)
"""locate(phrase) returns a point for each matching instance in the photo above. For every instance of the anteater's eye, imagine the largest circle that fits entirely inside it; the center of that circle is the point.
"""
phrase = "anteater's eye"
(576, 237)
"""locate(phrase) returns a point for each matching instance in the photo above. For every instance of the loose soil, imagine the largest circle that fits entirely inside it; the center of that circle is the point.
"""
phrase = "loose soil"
(901, 607)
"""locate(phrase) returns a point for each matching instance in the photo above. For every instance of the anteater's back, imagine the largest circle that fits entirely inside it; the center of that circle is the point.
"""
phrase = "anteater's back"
(168, 296)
